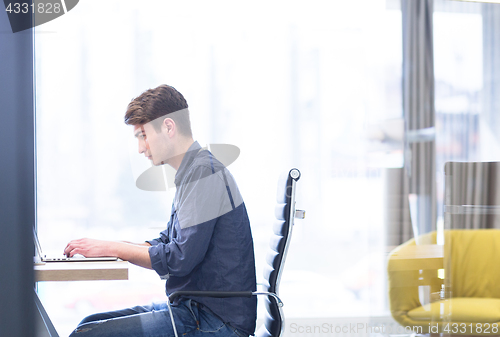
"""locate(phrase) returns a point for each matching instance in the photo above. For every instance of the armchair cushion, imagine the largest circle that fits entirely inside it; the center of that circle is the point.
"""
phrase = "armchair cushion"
(459, 309)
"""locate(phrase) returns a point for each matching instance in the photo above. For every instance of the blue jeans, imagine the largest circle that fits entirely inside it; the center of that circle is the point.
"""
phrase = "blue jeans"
(154, 321)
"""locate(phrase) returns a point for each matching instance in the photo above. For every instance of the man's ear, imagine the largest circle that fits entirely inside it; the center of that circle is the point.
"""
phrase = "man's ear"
(169, 125)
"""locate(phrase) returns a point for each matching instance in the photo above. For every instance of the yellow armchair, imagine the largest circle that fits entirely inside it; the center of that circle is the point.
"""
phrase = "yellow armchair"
(471, 301)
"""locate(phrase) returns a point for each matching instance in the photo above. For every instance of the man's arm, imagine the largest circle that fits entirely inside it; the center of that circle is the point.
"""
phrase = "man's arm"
(147, 244)
(137, 254)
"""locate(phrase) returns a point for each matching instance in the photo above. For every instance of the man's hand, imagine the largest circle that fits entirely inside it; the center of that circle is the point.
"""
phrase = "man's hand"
(89, 248)
(137, 254)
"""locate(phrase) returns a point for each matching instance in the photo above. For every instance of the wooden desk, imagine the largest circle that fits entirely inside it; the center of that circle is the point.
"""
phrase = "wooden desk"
(73, 271)
(81, 271)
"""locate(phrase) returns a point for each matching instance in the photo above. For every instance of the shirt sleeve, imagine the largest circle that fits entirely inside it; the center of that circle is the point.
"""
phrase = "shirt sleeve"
(159, 240)
(199, 202)
(164, 234)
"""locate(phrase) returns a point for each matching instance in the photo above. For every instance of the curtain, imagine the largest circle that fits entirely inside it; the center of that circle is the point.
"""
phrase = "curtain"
(472, 195)
(418, 110)
(396, 207)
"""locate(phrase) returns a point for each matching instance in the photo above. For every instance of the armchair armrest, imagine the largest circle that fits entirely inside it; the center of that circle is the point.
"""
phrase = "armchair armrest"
(416, 257)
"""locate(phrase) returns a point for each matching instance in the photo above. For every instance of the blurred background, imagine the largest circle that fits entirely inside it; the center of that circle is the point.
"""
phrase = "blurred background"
(317, 87)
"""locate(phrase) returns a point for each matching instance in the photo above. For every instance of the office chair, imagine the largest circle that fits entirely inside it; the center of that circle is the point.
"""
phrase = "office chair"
(285, 213)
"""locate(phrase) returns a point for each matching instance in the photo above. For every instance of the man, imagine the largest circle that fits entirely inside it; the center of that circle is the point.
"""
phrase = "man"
(207, 244)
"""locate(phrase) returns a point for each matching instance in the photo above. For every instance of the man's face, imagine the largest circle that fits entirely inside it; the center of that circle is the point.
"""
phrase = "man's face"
(153, 144)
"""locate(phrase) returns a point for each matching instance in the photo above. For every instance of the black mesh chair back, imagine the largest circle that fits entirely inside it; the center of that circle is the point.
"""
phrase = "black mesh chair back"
(285, 212)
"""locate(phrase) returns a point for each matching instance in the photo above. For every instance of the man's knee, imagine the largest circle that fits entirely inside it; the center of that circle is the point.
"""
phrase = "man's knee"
(85, 329)
(92, 318)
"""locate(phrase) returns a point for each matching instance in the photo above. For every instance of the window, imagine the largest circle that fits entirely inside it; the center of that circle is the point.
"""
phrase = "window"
(292, 85)
(465, 75)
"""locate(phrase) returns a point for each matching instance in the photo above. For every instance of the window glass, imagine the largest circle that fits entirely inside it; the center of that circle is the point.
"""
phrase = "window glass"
(292, 85)
(464, 79)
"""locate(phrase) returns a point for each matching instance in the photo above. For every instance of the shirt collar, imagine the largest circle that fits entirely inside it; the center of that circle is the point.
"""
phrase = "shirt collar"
(186, 162)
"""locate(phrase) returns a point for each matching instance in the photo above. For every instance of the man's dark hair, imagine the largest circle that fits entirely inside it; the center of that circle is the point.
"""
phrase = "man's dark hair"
(155, 103)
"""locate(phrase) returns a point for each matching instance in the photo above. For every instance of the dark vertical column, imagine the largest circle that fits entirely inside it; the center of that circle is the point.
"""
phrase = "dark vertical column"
(17, 181)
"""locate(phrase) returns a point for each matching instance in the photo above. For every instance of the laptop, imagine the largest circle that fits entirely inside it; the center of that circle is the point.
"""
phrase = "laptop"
(40, 257)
